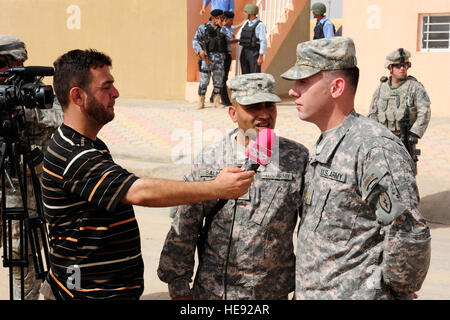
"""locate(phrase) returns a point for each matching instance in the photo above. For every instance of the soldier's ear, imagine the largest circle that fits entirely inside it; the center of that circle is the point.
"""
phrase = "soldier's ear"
(337, 87)
(232, 113)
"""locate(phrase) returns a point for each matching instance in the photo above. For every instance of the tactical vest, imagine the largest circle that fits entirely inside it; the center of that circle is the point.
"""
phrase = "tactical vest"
(391, 104)
(215, 39)
(318, 31)
(248, 36)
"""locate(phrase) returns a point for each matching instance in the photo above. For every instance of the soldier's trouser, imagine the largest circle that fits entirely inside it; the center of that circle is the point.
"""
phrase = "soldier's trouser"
(249, 61)
(224, 93)
(31, 284)
(216, 68)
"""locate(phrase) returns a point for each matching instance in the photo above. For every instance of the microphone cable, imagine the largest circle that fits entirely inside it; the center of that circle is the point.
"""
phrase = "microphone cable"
(230, 238)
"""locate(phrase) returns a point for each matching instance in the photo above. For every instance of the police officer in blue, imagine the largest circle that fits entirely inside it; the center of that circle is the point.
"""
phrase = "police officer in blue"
(210, 43)
(252, 37)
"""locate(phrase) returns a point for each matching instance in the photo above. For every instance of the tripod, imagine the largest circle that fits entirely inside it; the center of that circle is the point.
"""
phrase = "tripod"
(32, 230)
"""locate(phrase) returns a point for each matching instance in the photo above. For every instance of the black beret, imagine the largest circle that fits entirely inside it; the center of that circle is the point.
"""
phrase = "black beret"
(216, 13)
(228, 14)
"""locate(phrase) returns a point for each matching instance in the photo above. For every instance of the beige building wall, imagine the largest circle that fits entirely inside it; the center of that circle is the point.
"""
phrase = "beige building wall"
(381, 26)
(146, 39)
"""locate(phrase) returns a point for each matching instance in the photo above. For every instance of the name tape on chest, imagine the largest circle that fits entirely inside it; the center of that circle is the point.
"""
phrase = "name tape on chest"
(277, 175)
(334, 175)
(209, 173)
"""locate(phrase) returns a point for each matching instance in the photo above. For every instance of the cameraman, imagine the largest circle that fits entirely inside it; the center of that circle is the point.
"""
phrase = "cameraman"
(40, 125)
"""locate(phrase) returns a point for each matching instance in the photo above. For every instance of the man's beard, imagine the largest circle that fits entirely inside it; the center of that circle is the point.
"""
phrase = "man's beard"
(97, 111)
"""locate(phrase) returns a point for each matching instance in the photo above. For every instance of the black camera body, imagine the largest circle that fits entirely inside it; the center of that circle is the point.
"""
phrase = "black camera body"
(22, 88)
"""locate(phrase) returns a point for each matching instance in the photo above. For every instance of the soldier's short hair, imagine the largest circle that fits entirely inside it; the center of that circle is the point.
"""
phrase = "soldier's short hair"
(73, 69)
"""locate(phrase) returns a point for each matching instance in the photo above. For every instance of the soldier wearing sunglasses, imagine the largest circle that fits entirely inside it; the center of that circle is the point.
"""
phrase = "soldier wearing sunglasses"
(400, 102)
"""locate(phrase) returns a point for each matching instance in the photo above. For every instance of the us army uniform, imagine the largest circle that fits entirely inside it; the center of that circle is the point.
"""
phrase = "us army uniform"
(394, 102)
(39, 126)
(361, 234)
(390, 101)
(261, 262)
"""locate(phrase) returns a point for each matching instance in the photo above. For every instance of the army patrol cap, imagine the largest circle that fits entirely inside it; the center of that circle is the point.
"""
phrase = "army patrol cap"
(10, 45)
(319, 8)
(251, 8)
(253, 88)
(313, 56)
(398, 56)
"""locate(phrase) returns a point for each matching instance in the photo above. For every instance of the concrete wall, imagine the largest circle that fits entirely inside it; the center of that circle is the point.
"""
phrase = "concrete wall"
(146, 39)
(381, 26)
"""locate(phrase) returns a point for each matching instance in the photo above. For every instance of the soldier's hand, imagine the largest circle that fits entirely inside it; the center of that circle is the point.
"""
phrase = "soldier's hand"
(202, 54)
(260, 60)
(232, 183)
(413, 138)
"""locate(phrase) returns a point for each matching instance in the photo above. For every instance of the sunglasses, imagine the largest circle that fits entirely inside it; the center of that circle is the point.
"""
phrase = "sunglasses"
(399, 65)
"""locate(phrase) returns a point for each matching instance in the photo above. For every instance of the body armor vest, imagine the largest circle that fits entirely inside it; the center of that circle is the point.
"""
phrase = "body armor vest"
(318, 31)
(215, 40)
(391, 105)
(248, 36)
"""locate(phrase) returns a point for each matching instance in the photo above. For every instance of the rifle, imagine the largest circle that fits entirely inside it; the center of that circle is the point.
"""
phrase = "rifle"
(204, 43)
(408, 139)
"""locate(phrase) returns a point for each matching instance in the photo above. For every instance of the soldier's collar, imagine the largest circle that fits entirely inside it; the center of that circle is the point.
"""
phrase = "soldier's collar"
(333, 141)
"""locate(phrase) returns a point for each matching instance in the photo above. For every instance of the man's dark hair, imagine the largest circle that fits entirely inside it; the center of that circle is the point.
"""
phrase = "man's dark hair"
(351, 76)
(72, 69)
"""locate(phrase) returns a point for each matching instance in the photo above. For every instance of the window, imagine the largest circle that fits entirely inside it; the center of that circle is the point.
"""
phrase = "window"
(435, 35)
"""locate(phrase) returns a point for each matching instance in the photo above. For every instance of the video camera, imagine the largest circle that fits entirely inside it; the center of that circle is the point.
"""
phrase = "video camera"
(23, 87)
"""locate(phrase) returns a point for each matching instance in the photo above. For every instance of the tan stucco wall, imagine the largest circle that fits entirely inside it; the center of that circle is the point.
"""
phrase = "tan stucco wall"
(286, 56)
(146, 39)
(379, 27)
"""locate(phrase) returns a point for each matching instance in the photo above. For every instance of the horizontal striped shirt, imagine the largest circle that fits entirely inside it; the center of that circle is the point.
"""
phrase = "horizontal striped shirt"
(95, 250)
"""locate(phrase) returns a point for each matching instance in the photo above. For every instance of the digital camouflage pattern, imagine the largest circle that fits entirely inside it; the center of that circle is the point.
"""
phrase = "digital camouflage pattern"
(361, 234)
(322, 54)
(390, 101)
(261, 263)
(253, 88)
(397, 56)
(13, 46)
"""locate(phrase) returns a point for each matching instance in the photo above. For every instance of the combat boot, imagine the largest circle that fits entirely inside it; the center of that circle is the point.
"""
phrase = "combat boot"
(217, 103)
(201, 102)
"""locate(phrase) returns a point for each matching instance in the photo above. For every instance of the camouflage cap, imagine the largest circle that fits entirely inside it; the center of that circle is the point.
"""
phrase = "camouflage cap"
(10, 45)
(253, 88)
(313, 56)
(398, 56)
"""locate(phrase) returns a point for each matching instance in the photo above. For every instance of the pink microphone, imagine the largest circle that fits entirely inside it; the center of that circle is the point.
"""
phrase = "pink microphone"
(260, 151)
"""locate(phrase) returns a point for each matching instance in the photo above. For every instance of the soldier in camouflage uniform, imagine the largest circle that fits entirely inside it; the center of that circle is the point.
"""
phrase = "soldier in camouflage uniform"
(401, 95)
(210, 43)
(40, 125)
(261, 263)
(361, 234)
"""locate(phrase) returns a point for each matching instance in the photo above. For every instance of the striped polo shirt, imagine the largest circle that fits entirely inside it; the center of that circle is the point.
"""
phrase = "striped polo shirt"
(95, 250)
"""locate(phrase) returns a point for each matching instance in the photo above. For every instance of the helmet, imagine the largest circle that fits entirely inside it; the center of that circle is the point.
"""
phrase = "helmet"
(319, 8)
(398, 56)
(251, 8)
(10, 45)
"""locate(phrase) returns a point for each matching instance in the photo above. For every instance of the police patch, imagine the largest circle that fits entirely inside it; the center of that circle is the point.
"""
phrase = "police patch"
(385, 202)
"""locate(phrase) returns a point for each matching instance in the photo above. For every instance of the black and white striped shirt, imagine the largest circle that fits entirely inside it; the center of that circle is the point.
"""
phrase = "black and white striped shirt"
(94, 239)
